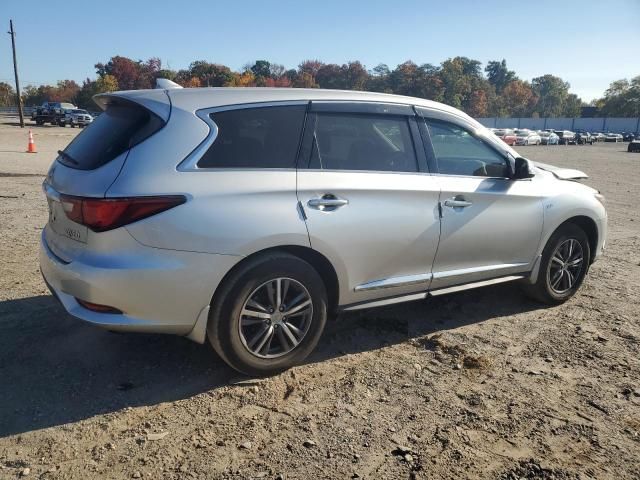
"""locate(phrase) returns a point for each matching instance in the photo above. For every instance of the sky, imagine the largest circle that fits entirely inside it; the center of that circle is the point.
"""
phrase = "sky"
(588, 43)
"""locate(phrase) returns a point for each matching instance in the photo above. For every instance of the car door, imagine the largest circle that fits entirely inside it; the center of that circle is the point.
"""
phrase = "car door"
(370, 205)
(491, 225)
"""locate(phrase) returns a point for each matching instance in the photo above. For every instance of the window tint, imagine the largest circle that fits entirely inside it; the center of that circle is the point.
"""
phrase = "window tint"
(265, 137)
(363, 142)
(460, 153)
(113, 132)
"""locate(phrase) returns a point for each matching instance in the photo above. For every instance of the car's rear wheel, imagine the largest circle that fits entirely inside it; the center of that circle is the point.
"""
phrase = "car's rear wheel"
(269, 315)
(563, 266)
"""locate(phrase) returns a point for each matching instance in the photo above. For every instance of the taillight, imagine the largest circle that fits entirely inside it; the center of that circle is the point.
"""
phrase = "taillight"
(102, 214)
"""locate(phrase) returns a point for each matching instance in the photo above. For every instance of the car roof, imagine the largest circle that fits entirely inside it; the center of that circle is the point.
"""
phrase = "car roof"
(193, 99)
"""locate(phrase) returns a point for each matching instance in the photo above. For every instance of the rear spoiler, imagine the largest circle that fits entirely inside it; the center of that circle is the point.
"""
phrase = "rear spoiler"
(156, 101)
(562, 173)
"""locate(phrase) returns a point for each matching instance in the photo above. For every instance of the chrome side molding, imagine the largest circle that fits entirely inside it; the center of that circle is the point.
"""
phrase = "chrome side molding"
(488, 268)
(394, 282)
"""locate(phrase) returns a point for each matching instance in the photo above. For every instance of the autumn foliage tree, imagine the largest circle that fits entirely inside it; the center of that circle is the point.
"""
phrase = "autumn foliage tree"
(458, 81)
(622, 98)
(7, 95)
(130, 74)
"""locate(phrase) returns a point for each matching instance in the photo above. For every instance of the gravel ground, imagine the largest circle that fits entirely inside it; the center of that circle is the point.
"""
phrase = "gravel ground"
(479, 384)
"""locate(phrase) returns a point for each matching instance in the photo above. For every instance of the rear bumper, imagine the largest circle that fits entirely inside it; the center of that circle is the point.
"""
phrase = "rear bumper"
(158, 291)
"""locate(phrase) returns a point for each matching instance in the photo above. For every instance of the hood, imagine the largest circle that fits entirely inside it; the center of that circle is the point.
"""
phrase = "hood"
(562, 173)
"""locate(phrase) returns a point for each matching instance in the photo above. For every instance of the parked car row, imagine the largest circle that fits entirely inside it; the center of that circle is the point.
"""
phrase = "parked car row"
(524, 136)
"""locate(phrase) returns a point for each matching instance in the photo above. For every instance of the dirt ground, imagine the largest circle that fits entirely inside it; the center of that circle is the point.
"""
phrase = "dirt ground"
(479, 384)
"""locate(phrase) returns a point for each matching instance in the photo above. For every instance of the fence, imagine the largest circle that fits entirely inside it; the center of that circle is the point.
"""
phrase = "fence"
(14, 111)
(595, 124)
(11, 111)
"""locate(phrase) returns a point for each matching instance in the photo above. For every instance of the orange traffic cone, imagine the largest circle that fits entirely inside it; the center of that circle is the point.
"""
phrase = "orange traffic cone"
(32, 145)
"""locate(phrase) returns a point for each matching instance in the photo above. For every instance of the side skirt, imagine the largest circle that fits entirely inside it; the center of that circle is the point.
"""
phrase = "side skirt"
(422, 295)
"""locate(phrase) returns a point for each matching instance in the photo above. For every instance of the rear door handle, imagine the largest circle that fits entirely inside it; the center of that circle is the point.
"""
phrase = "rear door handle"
(327, 202)
(453, 203)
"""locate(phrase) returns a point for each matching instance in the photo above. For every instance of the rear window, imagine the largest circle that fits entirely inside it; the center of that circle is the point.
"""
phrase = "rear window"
(264, 137)
(113, 132)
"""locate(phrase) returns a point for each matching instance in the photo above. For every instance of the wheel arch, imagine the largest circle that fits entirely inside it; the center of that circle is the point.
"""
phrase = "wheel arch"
(586, 223)
(318, 261)
(589, 226)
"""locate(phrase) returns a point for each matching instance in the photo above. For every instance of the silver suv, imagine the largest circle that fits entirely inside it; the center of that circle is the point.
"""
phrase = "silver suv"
(249, 215)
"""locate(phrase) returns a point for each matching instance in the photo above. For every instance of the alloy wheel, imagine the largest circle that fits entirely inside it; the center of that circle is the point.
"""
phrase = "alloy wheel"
(275, 318)
(565, 267)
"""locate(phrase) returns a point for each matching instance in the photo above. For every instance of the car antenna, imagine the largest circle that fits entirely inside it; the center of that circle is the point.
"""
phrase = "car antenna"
(165, 83)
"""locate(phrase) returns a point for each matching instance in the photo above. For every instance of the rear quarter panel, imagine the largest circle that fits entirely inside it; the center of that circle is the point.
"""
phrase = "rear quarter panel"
(235, 212)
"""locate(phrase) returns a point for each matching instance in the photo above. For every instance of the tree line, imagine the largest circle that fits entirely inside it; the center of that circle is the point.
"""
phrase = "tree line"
(461, 82)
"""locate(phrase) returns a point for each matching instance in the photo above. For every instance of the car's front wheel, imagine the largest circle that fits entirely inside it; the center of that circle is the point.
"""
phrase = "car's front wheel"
(563, 266)
(269, 315)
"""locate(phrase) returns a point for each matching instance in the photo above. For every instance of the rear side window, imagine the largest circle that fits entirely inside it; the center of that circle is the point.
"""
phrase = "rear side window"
(264, 137)
(363, 142)
(113, 132)
(458, 152)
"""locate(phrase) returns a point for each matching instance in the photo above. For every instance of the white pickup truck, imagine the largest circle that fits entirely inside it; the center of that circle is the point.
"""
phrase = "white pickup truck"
(76, 117)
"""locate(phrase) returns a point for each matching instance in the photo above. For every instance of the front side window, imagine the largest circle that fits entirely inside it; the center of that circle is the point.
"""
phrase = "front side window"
(458, 152)
(264, 137)
(344, 141)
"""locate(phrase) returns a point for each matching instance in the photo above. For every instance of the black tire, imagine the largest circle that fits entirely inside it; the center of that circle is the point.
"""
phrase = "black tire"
(543, 290)
(223, 329)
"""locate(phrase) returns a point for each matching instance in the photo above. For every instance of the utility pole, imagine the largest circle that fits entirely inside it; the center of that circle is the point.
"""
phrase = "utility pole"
(15, 71)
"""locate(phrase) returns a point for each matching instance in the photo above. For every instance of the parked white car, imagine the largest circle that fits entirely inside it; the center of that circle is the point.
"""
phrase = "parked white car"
(613, 137)
(528, 137)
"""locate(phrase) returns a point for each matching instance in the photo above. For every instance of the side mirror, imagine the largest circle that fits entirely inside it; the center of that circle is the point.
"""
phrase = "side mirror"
(522, 169)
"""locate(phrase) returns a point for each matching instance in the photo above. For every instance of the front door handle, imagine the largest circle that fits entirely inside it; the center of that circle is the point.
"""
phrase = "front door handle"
(457, 203)
(327, 202)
